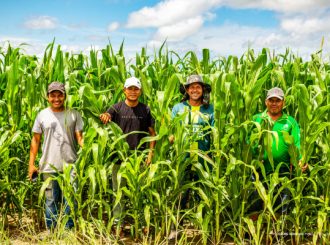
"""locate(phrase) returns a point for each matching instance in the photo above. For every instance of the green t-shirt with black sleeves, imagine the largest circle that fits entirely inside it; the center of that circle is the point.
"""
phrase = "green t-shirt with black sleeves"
(285, 145)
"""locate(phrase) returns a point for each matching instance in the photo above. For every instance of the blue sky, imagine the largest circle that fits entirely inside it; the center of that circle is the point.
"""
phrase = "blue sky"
(226, 27)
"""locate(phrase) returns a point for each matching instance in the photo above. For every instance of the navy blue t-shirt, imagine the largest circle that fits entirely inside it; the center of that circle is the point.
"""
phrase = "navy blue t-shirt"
(130, 119)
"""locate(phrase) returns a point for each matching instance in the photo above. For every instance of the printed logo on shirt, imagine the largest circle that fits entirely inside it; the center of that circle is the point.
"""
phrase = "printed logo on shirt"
(285, 127)
(198, 131)
(132, 117)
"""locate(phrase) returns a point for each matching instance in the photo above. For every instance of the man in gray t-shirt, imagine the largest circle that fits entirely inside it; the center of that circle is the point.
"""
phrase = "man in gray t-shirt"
(61, 129)
(59, 140)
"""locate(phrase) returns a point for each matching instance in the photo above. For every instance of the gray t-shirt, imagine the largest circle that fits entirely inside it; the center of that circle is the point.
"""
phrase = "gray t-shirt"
(59, 142)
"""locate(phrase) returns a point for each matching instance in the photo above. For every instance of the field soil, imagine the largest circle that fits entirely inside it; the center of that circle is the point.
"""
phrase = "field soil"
(27, 232)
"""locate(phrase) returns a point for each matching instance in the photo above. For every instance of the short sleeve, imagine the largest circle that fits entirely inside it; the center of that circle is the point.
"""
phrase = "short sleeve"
(79, 123)
(113, 111)
(296, 133)
(174, 111)
(37, 127)
(150, 119)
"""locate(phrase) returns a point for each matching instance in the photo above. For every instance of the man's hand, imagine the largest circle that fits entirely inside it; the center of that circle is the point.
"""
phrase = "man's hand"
(105, 117)
(149, 158)
(303, 167)
(171, 138)
(32, 169)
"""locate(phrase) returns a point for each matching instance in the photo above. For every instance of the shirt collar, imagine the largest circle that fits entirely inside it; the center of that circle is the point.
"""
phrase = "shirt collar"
(265, 115)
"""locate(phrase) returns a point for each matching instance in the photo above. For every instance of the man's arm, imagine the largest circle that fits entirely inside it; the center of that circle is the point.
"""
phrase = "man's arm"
(79, 138)
(35, 142)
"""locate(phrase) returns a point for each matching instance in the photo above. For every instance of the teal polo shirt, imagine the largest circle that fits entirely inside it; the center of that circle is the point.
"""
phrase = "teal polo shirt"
(200, 126)
(288, 132)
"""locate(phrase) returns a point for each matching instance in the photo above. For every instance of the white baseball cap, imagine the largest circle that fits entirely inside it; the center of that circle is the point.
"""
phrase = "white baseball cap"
(275, 92)
(132, 81)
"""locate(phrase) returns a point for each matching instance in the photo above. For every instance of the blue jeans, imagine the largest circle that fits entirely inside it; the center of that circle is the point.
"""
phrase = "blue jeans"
(54, 200)
(120, 207)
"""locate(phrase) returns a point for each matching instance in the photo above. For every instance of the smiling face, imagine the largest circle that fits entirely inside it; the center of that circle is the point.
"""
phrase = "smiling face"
(274, 106)
(132, 93)
(195, 92)
(56, 100)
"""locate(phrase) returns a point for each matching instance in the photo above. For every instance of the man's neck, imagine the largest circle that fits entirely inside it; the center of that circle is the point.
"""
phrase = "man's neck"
(274, 117)
(131, 103)
(57, 109)
(195, 102)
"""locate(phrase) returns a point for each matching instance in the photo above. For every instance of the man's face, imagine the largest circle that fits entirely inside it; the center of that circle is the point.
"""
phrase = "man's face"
(274, 105)
(56, 100)
(195, 91)
(132, 93)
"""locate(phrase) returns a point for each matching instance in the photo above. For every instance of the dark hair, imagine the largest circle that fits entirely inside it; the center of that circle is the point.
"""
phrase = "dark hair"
(205, 96)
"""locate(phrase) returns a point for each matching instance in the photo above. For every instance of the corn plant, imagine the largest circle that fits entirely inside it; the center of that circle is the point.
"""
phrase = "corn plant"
(219, 208)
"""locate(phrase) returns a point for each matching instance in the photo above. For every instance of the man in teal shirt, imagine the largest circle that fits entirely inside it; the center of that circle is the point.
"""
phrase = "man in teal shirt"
(199, 114)
(197, 117)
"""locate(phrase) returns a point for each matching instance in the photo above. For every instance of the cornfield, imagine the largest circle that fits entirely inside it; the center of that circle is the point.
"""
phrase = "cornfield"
(218, 209)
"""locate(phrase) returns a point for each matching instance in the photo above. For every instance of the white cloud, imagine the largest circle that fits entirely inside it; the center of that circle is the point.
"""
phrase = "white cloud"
(71, 48)
(169, 12)
(113, 26)
(182, 24)
(27, 45)
(210, 16)
(180, 30)
(174, 19)
(178, 20)
(304, 25)
(283, 6)
(41, 23)
(13, 40)
(233, 39)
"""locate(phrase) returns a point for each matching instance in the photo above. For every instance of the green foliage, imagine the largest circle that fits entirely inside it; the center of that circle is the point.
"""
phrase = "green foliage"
(221, 199)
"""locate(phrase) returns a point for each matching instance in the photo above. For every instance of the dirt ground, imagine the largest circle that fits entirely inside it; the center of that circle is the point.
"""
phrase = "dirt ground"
(27, 232)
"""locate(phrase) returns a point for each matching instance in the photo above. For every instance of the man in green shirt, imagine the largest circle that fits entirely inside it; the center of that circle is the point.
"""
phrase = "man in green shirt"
(284, 138)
